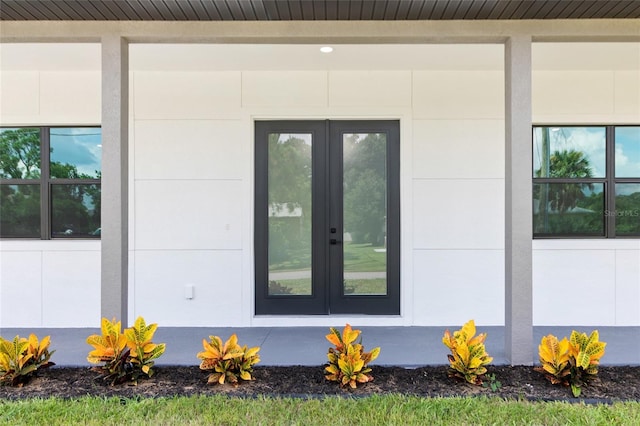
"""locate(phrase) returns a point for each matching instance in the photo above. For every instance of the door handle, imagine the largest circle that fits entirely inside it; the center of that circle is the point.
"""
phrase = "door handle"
(333, 241)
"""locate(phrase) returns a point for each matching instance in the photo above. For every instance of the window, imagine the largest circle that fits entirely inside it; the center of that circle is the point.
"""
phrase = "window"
(586, 181)
(50, 182)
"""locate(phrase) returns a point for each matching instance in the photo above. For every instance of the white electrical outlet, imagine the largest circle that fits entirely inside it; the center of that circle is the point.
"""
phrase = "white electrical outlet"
(188, 291)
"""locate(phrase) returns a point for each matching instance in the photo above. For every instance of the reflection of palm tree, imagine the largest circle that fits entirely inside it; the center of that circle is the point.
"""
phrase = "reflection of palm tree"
(567, 164)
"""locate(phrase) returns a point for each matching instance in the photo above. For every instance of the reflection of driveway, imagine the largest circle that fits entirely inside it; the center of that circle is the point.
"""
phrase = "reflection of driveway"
(296, 275)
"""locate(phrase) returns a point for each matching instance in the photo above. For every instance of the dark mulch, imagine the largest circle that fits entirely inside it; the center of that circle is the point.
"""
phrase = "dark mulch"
(519, 382)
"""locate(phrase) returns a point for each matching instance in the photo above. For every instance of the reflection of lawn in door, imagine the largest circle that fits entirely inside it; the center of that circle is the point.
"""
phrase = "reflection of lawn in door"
(358, 258)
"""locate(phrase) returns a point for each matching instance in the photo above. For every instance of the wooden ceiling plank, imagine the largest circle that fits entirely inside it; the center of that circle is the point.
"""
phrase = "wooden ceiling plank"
(555, 10)
(355, 10)
(318, 10)
(307, 10)
(463, 7)
(415, 9)
(343, 8)
(403, 10)
(521, 9)
(211, 9)
(632, 10)
(247, 10)
(366, 12)
(146, 8)
(451, 9)
(498, 9)
(534, 9)
(174, 9)
(223, 9)
(140, 10)
(486, 9)
(272, 10)
(283, 10)
(68, 12)
(199, 10)
(616, 7)
(295, 9)
(428, 10)
(30, 11)
(391, 11)
(101, 12)
(187, 8)
(598, 9)
(569, 11)
(236, 10)
(438, 10)
(85, 8)
(581, 10)
(258, 10)
(474, 8)
(377, 14)
(509, 10)
(13, 11)
(331, 10)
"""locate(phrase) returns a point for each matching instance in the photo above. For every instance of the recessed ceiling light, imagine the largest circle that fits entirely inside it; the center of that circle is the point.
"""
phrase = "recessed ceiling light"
(326, 49)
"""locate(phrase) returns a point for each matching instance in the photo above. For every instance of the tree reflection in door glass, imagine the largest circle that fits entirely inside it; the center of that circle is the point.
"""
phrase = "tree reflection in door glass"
(289, 214)
(365, 213)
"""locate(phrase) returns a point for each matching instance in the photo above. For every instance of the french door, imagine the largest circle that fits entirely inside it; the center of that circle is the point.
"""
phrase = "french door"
(327, 217)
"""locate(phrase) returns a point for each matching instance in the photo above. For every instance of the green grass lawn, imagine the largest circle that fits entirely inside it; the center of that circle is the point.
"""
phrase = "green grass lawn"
(357, 258)
(376, 410)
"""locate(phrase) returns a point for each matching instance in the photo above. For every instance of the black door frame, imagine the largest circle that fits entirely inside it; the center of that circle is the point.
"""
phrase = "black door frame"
(327, 294)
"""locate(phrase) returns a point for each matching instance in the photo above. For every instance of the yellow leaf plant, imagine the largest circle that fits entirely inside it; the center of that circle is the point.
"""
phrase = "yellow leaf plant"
(347, 360)
(468, 356)
(126, 356)
(229, 361)
(21, 358)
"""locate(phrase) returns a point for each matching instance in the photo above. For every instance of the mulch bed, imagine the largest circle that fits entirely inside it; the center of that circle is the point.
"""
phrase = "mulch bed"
(518, 382)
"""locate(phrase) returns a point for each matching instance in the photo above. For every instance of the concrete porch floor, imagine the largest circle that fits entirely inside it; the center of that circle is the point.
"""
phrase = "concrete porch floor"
(401, 346)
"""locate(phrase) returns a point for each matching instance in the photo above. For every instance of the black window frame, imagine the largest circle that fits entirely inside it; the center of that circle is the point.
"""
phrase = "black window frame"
(608, 181)
(46, 184)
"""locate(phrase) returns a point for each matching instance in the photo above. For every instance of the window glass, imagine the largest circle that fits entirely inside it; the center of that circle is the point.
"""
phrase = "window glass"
(569, 152)
(568, 208)
(627, 152)
(75, 210)
(627, 210)
(20, 211)
(19, 153)
(75, 152)
(290, 214)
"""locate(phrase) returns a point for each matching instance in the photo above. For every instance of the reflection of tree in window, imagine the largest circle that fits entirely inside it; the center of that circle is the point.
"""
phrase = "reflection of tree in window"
(365, 187)
(567, 164)
(20, 154)
(566, 207)
(289, 201)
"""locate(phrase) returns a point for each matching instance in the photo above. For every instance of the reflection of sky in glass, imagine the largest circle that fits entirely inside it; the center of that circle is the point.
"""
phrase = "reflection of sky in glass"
(627, 151)
(589, 140)
(627, 188)
(81, 147)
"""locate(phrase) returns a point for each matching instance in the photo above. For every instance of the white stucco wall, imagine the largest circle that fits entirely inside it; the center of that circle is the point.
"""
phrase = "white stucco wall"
(586, 282)
(49, 283)
(191, 177)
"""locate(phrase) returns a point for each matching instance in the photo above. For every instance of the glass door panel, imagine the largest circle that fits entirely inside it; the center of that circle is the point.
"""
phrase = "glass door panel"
(364, 213)
(290, 214)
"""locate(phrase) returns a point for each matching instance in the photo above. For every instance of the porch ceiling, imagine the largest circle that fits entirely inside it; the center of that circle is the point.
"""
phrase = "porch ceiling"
(314, 10)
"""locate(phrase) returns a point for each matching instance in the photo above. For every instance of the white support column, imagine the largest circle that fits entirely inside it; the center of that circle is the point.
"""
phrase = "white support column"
(518, 215)
(115, 178)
